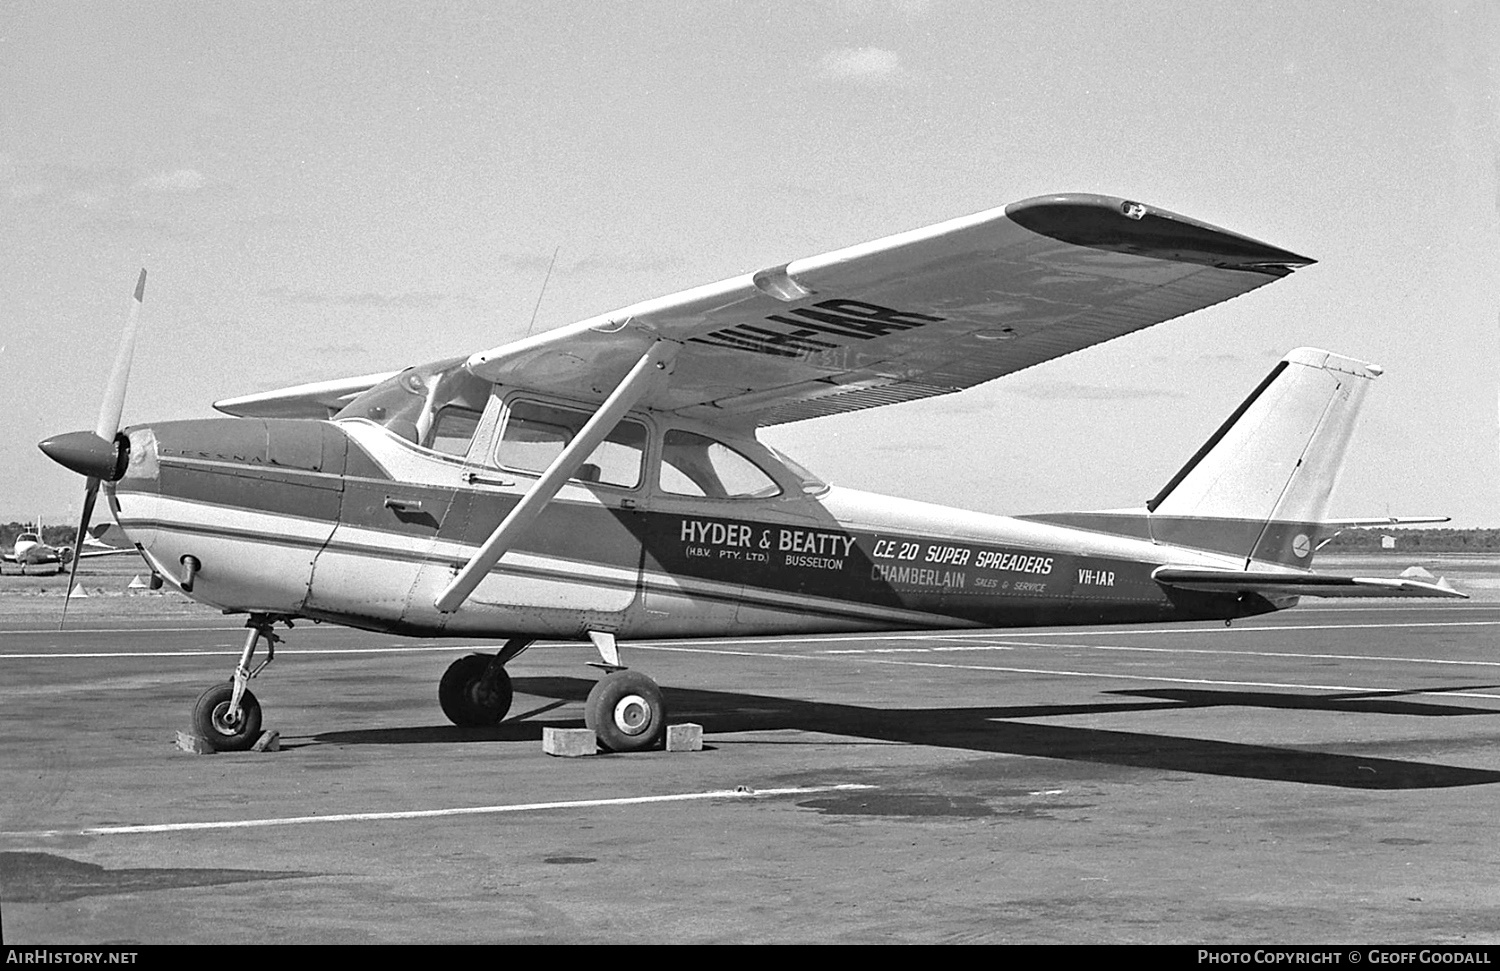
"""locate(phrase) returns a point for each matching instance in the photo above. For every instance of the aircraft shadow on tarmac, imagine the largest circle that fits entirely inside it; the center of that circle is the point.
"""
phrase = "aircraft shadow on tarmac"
(33, 876)
(995, 729)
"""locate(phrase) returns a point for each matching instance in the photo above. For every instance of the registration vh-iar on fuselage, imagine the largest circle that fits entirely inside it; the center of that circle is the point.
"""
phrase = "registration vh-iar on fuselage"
(604, 481)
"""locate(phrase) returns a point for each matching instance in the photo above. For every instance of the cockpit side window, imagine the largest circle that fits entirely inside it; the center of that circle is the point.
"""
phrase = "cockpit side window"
(696, 465)
(535, 434)
(452, 430)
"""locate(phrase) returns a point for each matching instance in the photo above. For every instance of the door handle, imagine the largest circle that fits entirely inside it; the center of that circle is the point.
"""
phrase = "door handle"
(476, 478)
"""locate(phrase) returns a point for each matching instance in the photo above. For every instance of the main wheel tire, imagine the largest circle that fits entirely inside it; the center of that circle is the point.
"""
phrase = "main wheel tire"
(625, 710)
(469, 698)
(211, 719)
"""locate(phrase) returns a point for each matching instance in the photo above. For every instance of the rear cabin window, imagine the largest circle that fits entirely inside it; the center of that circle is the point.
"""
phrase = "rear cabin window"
(535, 434)
(696, 465)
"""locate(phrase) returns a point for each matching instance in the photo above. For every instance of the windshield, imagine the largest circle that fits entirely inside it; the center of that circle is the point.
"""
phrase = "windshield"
(435, 405)
(811, 484)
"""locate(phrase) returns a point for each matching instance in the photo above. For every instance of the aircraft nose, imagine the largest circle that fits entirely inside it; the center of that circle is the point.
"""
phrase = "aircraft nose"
(88, 454)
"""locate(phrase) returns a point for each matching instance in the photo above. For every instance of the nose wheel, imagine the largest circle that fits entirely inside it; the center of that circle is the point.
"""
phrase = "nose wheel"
(227, 715)
(225, 728)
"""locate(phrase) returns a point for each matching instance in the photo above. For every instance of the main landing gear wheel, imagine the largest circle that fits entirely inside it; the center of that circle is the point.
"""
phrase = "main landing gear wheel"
(625, 710)
(474, 691)
(212, 721)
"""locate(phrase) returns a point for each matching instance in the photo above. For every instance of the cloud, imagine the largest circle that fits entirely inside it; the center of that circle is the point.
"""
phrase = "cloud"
(88, 199)
(1073, 391)
(24, 191)
(181, 180)
(51, 183)
(405, 300)
(625, 264)
(523, 262)
(92, 186)
(905, 9)
(349, 349)
(862, 65)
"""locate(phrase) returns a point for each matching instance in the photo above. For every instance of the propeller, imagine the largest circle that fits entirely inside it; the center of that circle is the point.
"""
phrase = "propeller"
(100, 455)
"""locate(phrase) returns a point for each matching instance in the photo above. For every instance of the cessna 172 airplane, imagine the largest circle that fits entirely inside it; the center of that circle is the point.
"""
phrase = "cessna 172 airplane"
(603, 481)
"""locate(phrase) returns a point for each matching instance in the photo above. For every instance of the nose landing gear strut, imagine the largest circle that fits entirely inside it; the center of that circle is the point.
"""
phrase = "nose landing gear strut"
(227, 715)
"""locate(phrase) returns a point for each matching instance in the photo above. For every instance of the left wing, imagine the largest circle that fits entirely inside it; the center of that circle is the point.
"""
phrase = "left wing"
(1299, 584)
(106, 539)
(320, 399)
(90, 552)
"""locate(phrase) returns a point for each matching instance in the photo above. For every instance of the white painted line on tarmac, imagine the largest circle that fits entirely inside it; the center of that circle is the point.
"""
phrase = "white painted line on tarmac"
(813, 640)
(1010, 645)
(119, 630)
(1376, 693)
(997, 646)
(1220, 629)
(743, 792)
(875, 659)
(235, 652)
(717, 645)
(77, 654)
(1288, 654)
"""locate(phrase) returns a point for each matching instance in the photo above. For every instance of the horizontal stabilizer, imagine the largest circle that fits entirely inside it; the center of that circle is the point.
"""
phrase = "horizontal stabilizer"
(1299, 584)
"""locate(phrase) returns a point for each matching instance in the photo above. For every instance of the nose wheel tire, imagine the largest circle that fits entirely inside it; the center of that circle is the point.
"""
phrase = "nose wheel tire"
(212, 721)
(471, 695)
(625, 710)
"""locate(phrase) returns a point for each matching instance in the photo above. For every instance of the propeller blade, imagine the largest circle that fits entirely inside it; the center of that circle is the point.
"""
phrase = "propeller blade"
(114, 392)
(78, 452)
(90, 494)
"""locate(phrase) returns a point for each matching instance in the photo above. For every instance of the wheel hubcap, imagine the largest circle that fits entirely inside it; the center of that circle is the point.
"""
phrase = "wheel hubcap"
(224, 723)
(632, 714)
(481, 694)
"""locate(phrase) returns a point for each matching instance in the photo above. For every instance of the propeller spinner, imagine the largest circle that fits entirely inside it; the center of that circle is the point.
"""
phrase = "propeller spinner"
(102, 454)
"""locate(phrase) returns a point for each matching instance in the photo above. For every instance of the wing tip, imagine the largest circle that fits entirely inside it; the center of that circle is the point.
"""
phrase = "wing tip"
(1121, 225)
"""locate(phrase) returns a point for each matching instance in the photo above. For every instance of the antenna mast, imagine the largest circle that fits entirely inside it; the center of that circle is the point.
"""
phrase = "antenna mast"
(543, 291)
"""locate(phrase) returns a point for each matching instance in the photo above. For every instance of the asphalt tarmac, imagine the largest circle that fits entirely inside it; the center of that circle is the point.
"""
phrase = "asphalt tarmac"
(1328, 774)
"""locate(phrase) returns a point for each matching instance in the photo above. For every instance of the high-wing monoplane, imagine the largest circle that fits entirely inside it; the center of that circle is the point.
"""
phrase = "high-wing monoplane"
(604, 481)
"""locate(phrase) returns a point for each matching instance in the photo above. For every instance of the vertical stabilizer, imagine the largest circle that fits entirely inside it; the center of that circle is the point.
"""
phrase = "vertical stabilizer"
(1260, 486)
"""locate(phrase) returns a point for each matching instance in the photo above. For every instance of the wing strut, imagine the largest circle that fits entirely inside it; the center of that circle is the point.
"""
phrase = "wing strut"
(635, 385)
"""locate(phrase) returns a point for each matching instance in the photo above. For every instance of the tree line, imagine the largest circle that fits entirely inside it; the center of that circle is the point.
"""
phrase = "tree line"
(1424, 540)
(55, 535)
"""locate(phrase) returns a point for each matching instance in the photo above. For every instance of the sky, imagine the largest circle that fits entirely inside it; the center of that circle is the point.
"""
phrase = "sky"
(328, 189)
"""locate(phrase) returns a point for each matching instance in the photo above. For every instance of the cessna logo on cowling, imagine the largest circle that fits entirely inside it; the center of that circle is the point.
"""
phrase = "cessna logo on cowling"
(823, 326)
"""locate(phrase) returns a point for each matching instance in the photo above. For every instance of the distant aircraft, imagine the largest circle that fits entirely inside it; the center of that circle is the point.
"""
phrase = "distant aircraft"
(604, 482)
(29, 552)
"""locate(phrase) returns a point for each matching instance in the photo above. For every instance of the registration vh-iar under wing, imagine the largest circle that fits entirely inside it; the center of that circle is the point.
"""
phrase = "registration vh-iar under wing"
(603, 482)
